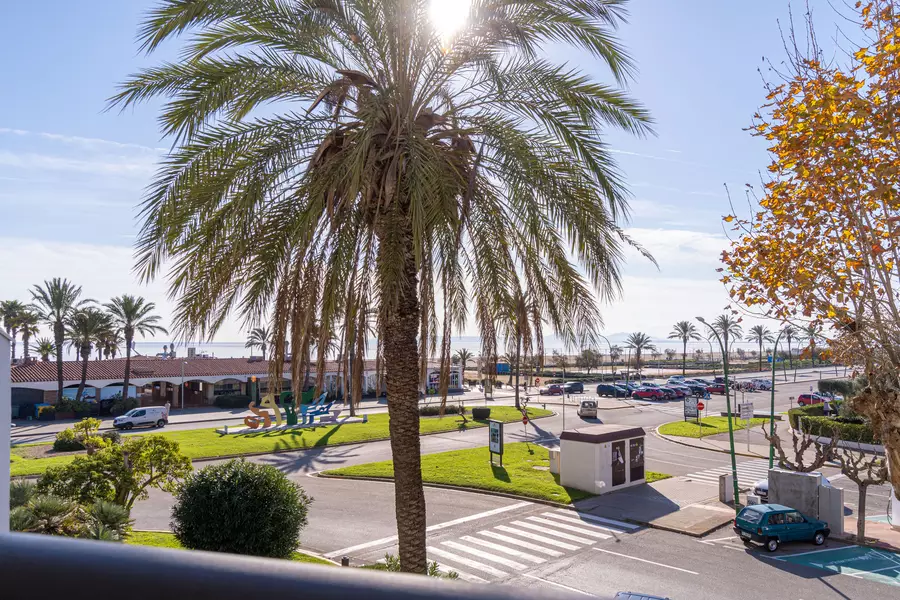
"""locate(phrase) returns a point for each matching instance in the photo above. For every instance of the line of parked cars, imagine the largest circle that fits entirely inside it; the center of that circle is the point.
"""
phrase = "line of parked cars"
(675, 388)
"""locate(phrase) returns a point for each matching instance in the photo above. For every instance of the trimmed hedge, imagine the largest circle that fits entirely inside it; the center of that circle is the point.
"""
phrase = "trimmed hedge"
(813, 410)
(435, 409)
(232, 401)
(848, 432)
(480, 413)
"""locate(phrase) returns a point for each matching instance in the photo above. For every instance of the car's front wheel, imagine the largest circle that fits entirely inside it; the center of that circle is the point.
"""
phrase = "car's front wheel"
(819, 538)
(161, 423)
(127, 426)
(772, 544)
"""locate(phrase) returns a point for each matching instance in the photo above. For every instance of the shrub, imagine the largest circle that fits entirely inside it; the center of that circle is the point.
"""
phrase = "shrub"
(242, 508)
(47, 413)
(481, 413)
(434, 409)
(848, 432)
(392, 563)
(813, 410)
(108, 518)
(112, 436)
(232, 401)
(121, 406)
(20, 492)
(66, 441)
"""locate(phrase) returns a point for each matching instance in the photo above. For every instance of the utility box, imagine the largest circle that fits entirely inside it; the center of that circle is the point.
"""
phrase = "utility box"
(831, 508)
(601, 458)
(797, 490)
(554, 460)
(726, 488)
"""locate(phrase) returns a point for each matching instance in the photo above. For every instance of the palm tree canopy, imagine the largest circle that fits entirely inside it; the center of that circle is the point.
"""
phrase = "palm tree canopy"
(640, 341)
(28, 323)
(44, 347)
(56, 299)
(11, 312)
(259, 337)
(490, 156)
(684, 331)
(134, 314)
(760, 334)
(728, 326)
(87, 326)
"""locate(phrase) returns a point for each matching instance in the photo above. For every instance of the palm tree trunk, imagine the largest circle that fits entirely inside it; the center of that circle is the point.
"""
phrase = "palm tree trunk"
(59, 336)
(518, 354)
(790, 353)
(25, 339)
(401, 356)
(760, 355)
(14, 332)
(128, 339)
(684, 358)
(85, 357)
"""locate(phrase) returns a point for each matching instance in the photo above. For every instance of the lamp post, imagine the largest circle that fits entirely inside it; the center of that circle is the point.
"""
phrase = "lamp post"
(611, 366)
(734, 478)
(711, 357)
(627, 366)
(772, 409)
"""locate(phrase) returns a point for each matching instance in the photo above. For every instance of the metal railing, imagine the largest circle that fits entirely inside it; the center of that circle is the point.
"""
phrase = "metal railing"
(39, 566)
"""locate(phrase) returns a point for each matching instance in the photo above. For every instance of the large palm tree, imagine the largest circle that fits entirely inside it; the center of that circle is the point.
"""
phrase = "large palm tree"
(639, 342)
(44, 347)
(28, 328)
(84, 328)
(398, 165)
(761, 334)
(55, 302)
(463, 356)
(131, 315)
(11, 311)
(615, 353)
(684, 331)
(259, 337)
(729, 328)
(811, 334)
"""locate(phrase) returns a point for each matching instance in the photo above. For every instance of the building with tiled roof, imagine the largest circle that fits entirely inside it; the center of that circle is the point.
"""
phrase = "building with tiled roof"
(157, 380)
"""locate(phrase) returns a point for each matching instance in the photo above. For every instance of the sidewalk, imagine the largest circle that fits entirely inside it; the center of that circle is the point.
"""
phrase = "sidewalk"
(720, 443)
(671, 504)
(878, 533)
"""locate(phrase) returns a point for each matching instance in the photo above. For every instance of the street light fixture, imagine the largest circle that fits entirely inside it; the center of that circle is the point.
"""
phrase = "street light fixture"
(734, 478)
(772, 409)
(611, 372)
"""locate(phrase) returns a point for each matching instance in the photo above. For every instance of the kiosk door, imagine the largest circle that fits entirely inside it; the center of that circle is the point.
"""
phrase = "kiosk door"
(618, 463)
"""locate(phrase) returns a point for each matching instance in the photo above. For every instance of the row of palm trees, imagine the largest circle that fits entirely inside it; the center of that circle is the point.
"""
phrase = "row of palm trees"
(82, 323)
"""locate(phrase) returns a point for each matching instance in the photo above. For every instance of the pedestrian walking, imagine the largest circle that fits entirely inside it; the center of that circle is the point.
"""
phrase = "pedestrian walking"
(827, 406)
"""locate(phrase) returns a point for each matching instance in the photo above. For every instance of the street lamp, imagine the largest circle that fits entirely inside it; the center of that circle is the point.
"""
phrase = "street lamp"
(734, 478)
(772, 409)
(711, 357)
(611, 371)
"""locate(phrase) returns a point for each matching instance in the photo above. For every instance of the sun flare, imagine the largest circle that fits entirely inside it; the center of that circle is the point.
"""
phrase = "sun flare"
(449, 16)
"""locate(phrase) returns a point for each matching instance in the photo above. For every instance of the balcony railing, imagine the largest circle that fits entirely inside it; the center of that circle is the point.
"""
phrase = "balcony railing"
(36, 567)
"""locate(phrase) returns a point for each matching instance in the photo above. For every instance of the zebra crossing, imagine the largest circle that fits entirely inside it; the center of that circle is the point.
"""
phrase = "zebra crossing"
(749, 472)
(523, 543)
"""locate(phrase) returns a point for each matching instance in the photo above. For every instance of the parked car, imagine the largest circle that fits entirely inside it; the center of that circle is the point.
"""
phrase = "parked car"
(554, 389)
(667, 393)
(774, 524)
(697, 388)
(648, 392)
(705, 382)
(762, 384)
(809, 399)
(148, 416)
(761, 488)
(629, 385)
(719, 379)
(609, 389)
(684, 390)
(573, 387)
(676, 379)
(716, 388)
(587, 408)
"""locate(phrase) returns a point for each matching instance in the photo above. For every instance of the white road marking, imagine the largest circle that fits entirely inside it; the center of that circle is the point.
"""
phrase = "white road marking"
(559, 585)
(511, 551)
(462, 574)
(597, 519)
(540, 538)
(437, 527)
(576, 521)
(572, 528)
(559, 534)
(646, 561)
(486, 555)
(813, 552)
(515, 542)
(473, 564)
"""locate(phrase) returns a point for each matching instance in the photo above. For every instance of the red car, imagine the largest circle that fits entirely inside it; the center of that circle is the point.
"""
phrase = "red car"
(718, 388)
(807, 399)
(554, 389)
(645, 392)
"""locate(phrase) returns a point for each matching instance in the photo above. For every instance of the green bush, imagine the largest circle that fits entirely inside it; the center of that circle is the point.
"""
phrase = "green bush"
(20, 492)
(848, 432)
(47, 413)
(232, 401)
(434, 409)
(813, 410)
(66, 441)
(481, 413)
(120, 406)
(113, 436)
(242, 508)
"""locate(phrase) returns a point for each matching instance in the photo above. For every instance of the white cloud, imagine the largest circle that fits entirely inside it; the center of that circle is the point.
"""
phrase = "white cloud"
(101, 165)
(85, 142)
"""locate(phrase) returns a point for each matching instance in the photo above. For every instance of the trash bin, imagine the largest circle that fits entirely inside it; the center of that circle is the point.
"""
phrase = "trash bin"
(554, 460)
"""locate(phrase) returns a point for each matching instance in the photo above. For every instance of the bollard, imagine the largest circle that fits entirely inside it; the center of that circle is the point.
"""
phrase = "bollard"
(365, 418)
(345, 561)
(226, 429)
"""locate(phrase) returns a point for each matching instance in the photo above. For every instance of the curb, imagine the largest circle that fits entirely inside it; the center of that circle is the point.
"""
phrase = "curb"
(285, 451)
(675, 440)
(303, 550)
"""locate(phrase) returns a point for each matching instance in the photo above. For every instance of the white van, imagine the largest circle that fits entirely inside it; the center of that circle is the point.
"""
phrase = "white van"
(587, 408)
(151, 416)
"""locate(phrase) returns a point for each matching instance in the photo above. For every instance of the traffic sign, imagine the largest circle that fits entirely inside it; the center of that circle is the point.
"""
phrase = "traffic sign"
(700, 406)
(524, 419)
(746, 409)
(691, 408)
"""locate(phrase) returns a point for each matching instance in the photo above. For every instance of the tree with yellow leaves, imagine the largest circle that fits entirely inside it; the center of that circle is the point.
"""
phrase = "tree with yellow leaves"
(824, 242)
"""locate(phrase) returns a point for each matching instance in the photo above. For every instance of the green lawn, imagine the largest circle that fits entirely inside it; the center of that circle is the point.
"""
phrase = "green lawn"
(708, 426)
(160, 539)
(525, 472)
(206, 443)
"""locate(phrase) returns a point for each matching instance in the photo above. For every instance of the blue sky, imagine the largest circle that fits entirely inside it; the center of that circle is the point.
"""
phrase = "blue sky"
(71, 174)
